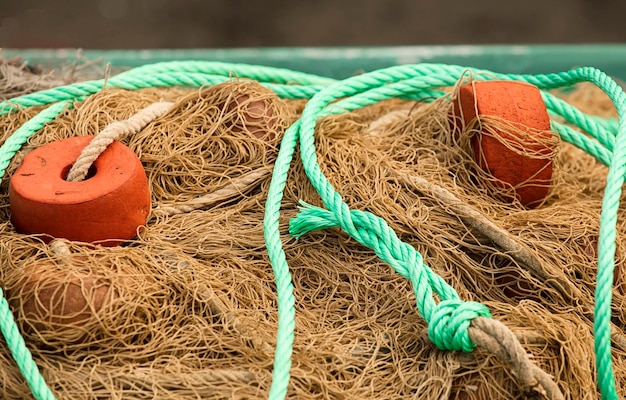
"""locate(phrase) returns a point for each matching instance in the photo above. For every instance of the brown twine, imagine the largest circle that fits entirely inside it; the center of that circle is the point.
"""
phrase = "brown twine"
(188, 309)
(525, 257)
(18, 77)
(478, 221)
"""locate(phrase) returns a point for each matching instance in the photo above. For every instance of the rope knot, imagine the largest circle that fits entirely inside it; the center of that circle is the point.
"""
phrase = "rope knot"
(449, 323)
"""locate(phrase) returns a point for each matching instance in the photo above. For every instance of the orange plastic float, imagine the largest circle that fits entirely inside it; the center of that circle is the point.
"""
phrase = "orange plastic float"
(522, 105)
(50, 296)
(107, 207)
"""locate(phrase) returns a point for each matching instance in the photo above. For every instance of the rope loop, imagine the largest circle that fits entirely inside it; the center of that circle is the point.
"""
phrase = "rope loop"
(449, 323)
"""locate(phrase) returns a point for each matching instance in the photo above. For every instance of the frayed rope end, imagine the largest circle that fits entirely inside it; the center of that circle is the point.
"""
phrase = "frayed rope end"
(311, 218)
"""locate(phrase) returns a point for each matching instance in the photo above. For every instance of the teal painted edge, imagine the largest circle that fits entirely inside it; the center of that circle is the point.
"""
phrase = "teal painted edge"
(342, 62)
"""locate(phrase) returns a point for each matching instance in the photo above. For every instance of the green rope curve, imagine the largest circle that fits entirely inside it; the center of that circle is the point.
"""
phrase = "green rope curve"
(599, 145)
(255, 72)
(15, 342)
(446, 326)
(447, 320)
(134, 82)
(608, 232)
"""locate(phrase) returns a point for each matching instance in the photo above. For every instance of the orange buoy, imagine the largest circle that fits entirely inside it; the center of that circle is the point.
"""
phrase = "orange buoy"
(521, 104)
(107, 207)
(257, 117)
(50, 296)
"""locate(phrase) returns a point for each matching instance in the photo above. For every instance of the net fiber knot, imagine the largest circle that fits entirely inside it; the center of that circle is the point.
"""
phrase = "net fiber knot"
(449, 323)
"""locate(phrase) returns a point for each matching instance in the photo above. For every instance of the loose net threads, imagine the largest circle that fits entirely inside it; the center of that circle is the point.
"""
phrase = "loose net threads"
(209, 252)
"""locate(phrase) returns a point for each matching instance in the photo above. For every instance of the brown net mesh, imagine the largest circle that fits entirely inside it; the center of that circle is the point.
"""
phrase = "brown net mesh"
(188, 309)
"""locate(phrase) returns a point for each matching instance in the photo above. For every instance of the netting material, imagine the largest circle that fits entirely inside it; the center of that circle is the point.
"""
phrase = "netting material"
(231, 235)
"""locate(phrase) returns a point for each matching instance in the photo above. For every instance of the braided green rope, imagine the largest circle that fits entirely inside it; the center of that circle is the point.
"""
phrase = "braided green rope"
(418, 87)
(15, 341)
(193, 74)
(591, 125)
(134, 82)
(599, 152)
(255, 72)
(374, 232)
(608, 232)
(448, 320)
(184, 73)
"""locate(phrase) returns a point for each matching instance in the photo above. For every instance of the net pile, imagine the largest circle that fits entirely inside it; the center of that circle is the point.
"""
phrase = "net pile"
(188, 309)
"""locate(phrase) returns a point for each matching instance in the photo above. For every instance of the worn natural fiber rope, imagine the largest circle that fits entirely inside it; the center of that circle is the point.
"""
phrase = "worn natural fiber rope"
(112, 132)
(60, 247)
(474, 218)
(494, 336)
(236, 187)
(371, 88)
(120, 129)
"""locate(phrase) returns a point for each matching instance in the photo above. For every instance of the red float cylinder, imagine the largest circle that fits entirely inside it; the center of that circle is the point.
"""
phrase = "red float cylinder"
(521, 104)
(108, 207)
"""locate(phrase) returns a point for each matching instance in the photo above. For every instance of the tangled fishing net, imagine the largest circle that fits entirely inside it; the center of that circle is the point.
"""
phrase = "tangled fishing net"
(187, 309)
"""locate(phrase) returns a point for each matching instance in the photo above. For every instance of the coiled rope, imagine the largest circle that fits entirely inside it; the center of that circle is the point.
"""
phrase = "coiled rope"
(451, 322)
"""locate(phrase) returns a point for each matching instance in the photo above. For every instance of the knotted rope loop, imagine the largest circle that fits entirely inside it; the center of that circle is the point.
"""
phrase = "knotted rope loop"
(449, 323)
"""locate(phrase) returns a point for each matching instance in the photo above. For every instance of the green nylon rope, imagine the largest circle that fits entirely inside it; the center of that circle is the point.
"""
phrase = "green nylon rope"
(449, 319)
(258, 73)
(599, 148)
(195, 74)
(15, 341)
(133, 82)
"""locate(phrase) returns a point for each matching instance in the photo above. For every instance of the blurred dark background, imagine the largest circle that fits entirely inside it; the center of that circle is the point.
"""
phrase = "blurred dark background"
(127, 24)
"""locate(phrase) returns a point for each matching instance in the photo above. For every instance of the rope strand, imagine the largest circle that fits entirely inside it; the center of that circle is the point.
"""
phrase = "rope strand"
(115, 131)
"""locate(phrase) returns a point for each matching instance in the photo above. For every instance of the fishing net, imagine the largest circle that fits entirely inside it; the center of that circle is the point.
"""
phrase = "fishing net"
(187, 309)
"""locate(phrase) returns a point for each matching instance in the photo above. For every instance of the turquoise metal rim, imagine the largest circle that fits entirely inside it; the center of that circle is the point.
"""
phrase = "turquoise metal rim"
(342, 62)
